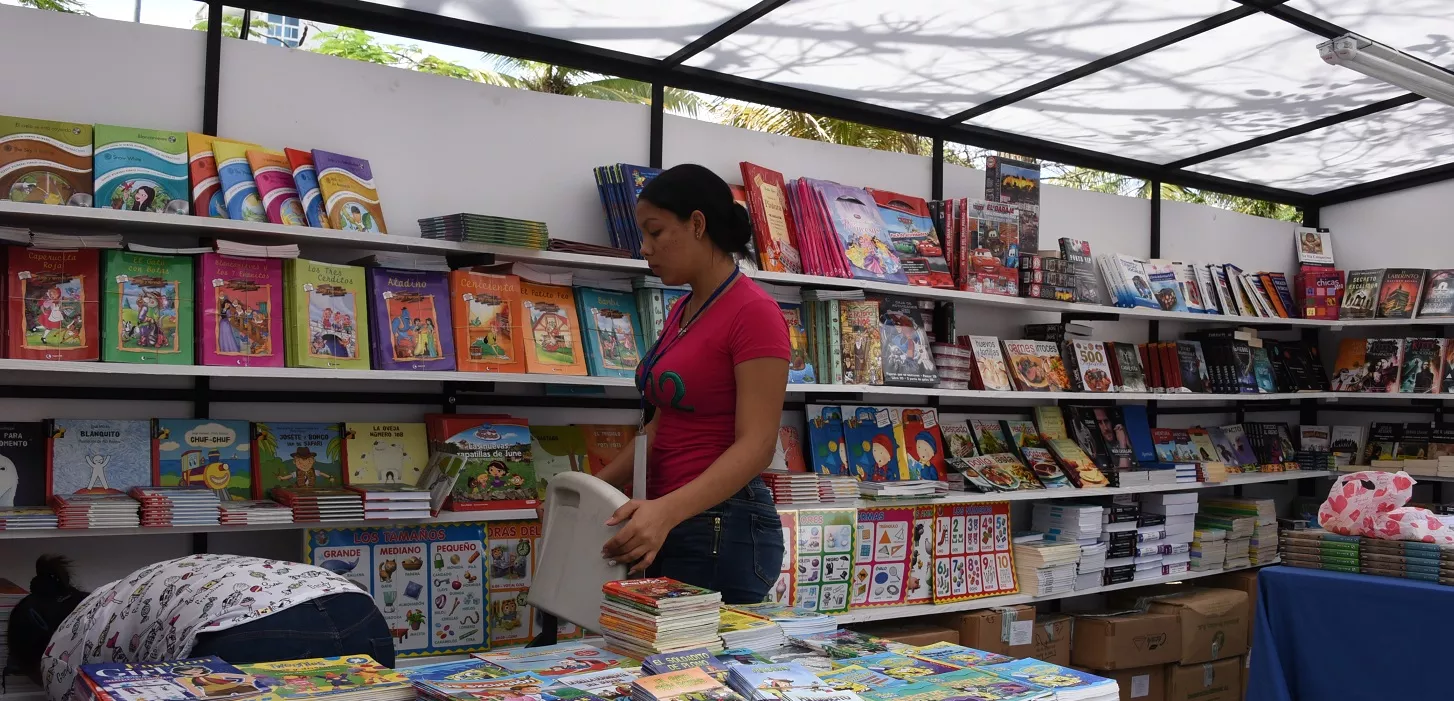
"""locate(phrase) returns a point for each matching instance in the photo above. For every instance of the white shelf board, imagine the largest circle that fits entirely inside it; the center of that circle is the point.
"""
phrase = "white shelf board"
(443, 518)
(891, 612)
(62, 366)
(46, 217)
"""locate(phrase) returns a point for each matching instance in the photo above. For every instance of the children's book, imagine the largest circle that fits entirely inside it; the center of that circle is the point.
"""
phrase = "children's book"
(914, 691)
(551, 661)
(764, 682)
(923, 444)
(860, 233)
(498, 471)
(862, 342)
(349, 197)
(148, 309)
(911, 229)
(143, 170)
(501, 687)
(685, 685)
(195, 679)
(326, 315)
(295, 454)
(843, 644)
(239, 190)
(977, 685)
(240, 301)
(1398, 293)
(884, 544)
(97, 456)
(701, 657)
(800, 364)
(215, 454)
(604, 442)
(23, 450)
(557, 449)
(54, 310)
(1422, 370)
(305, 181)
(772, 221)
(858, 679)
(384, 453)
(610, 684)
(958, 656)
(990, 371)
(613, 341)
(823, 548)
(45, 162)
(552, 333)
(325, 676)
(872, 448)
(1048, 675)
(487, 316)
(411, 325)
(906, 357)
(206, 185)
(901, 667)
(1036, 366)
(825, 439)
(274, 178)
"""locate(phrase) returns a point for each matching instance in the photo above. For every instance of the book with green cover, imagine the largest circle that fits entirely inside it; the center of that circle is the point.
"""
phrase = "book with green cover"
(148, 309)
(325, 315)
(557, 449)
(141, 170)
(45, 162)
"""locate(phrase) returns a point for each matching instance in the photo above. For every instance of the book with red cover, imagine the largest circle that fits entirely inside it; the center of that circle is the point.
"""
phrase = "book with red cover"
(498, 471)
(915, 242)
(54, 309)
(772, 220)
(658, 593)
(923, 444)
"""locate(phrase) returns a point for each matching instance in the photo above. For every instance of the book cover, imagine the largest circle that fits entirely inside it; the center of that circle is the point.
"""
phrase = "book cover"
(1008, 472)
(1422, 369)
(194, 679)
(1036, 366)
(411, 327)
(24, 447)
(46, 162)
(557, 449)
(1383, 441)
(273, 175)
(239, 190)
(610, 684)
(1045, 674)
(1347, 443)
(915, 241)
(1314, 246)
(1137, 427)
(1448, 350)
(96, 456)
(206, 185)
(902, 667)
(384, 453)
(1043, 464)
(959, 656)
(825, 439)
(327, 315)
(1263, 371)
(1076, 465)
(923, 444)
(990, 370)
(498, 472)
(1398, 293)
(54, 310)
(604, 442)
(860, 233)
(1438, 298)
(486, 313)
(800, 365)
(296, 454)
(1128, 362)
(612, 331)
(142, 170)
(978, 685)
(1166, 288)
(214, 454)
(685, 685)
(843, 644)
(958, 442)
(1361, 295)
(239, 304)
(1234, 441)
(701, 657)
(552, 339)
(1383, 358)
(862, 342)
(906, 357)
(148, 309)
(319, 676)
(990, 437)
(1314, 438)
(553, 661)
(872, 447)
(1193, 366)
(1093, 372)
(349, 199)
(772, 222)
(305, 181)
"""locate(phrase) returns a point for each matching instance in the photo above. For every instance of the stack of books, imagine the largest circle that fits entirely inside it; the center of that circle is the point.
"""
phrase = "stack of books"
(907, 489)
(837, 488)
(26, 518)
(642, 617)
(1238, 553)
(1318, 549)
(178, 680)
(1208, 549)
(393, 501)
(254, 512)
(312, 505)
(177, 506)
(1092, 564)
(700, 657)
(795, 623)
(792, 487)
(747, 631)
(1047, 567)
(345, 678)
(481, 228)
(1068, 684)
(685, 685)
(1068, 522)
(765, 682)
(1263, 510)
(404, 261)
(547, 660)
(1161, 476)
(1178, 513)
(96, 511)
(1262, 548)
(248, 250)
(47, 240)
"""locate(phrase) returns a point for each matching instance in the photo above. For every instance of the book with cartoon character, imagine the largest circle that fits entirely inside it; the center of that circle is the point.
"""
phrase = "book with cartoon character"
(305, 181)
(326, 315)
(882, 548)
(142, 170)
(384, 453)
(240, 308)
(206, 185)
(873, 452)
(349, 198)
(551, 331)
(46, 162)
(215, 454)
(296, 454)
(23, 463)
(54, 309)
(977, 685)
(498, 470)
(558, 449)
(148, 310)
(180, 680)
(553, 660)
(488, 321)
(612, 330)
(411, 326)
(923, 445)
(239, 190)
(305, 678)
(1049, 675)
(898, 666)
(905, 345)
(98, 456)
(825, 439)
(824, 559)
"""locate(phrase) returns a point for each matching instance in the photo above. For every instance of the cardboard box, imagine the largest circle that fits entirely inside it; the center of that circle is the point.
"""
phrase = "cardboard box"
(989, 630)
(1209, 681)
(1126, 641)
(1052, 639)
(1243, 580)
(1139, 684)
(917, 633)
(1213, 623)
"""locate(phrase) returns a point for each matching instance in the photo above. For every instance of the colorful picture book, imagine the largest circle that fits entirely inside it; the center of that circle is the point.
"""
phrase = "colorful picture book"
(801, 368)
(552, 333)
(192, 679)
(884, 543)
(860, 233)
(557, 449)
(54, 309)
(24, 446)
(45, 162)
(215, 454)
(497, 472)
(898, 666)
(825, 439)
(206, 185)
(240, 302)
(958, 655)
(1048, 675)
(142, 170)
(873, 446)
(411, 326)
(972, 553)
(906, 357)
(296, 454)
(613, 340)
(824, 560)
(305, 677)
(97, 456)
(921, 444)
(239, 190)
(487, 316)
(384, 453)
(862, 342)
(911, 229)
(772, 221)
(349, 197)
(978, 685)
(273, 175)
(326, 315)
(305, 181)
(148, 309)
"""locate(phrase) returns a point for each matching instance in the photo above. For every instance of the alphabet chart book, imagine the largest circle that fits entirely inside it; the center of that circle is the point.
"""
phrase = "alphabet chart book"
(972, 553)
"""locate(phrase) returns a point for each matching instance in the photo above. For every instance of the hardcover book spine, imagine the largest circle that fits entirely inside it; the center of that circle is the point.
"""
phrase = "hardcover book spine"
(835, 340)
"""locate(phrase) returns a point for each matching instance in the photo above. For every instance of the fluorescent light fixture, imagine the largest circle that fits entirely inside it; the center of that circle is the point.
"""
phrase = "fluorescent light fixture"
(1390, 66)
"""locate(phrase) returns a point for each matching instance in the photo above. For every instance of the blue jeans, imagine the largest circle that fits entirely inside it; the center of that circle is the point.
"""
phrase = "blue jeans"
(337, 624)
(735, 547)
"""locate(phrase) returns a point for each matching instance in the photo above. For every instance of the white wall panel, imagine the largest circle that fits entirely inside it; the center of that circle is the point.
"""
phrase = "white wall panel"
(1401, 229)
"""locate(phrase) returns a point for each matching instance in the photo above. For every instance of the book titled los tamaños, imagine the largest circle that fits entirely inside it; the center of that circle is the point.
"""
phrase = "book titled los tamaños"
(488, 322)
(148, 309)
(240, 305)
(179, 680)
(411, 326)
(54, 309)
(498, 471)
(46, 162)
(1398, 293)
(327, 315)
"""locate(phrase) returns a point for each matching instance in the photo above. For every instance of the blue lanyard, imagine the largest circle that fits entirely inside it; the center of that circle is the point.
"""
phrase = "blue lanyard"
(667, 339)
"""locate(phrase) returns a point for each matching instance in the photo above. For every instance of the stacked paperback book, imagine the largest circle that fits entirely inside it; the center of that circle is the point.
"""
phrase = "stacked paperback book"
(312, 505)
(907, 489)
(836, 488)
(1178, 514)
(1090, 569)
(25, 518)
(1208, 549)
(747, 631)
(795, 623)
(177, 506)
(792, 487)
(393, 501)
(96, 511)
(642, 617)
(1072, 523)
(692, 684)
(1046, 568)
(254, 512)
(480, 228)
(766, 682)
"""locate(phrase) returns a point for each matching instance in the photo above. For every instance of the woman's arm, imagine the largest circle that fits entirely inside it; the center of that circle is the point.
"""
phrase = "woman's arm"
(761, 386)
(618, 472)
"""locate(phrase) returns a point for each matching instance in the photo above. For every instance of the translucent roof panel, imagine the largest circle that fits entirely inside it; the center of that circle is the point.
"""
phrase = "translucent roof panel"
(652, 28)
(1424, 28)
(1409, 138)
(939, 57)
(1242, 80)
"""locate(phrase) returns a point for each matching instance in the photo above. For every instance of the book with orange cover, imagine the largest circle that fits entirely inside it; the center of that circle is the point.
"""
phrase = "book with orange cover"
(1272, 296)
(487, 322)
(772, 221)
(604, 442)
(206, 185)
(553, 344)
(274, 178)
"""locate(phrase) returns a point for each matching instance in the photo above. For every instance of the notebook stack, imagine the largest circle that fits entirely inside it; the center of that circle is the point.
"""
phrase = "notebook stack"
(747, 631)
(1426, 562)
(792, 487)
(96, 511)
(481, 228)
(1238, 553)
(1068, 684)
(177, 506)
(1068, 522)
(51, 241)
(254, 512)
(1046, 567)
(1092, 565)
(907, 489)
(404, 261)
(312, 505)
(1208, 549)
(249, 250)
(795, 623)
(1320, 550)
(766, 682)
(393, 501)
(1262, 548)
(837, 488)
(642, 617)
(27, 518)
(684, 685)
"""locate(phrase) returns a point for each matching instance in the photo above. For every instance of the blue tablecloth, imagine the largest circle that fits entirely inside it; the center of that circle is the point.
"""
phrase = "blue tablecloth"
(1331, 636)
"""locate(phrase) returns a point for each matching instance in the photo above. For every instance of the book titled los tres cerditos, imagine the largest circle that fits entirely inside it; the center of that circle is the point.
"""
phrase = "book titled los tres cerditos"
(326, 311)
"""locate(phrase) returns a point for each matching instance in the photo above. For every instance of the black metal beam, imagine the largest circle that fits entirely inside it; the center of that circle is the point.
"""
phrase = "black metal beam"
(1105, 62)
(1404, 181)
(1298, 18)
(246, 25)
(722, 31)
(212, 76)
(657, 138)
(936, 176)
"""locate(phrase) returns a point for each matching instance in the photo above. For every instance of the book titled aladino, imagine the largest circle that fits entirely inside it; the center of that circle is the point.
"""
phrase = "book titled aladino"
(349, 199)
(142, 170)
(412, 328)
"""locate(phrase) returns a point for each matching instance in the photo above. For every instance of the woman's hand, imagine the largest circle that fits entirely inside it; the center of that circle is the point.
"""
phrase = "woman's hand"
(648, 521)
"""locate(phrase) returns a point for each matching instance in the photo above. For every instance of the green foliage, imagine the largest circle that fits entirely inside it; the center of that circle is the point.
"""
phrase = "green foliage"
(232, 25)
(74, 7)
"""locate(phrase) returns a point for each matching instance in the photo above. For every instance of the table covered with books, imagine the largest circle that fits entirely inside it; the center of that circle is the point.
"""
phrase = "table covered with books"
(1319, 634)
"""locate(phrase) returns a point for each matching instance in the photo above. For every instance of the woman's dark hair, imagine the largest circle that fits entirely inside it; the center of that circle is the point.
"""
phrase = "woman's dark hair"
(689, 188)
(52, 597)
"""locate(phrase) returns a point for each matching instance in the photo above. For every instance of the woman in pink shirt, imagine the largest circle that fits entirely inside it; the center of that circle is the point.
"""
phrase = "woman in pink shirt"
(712, 392)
